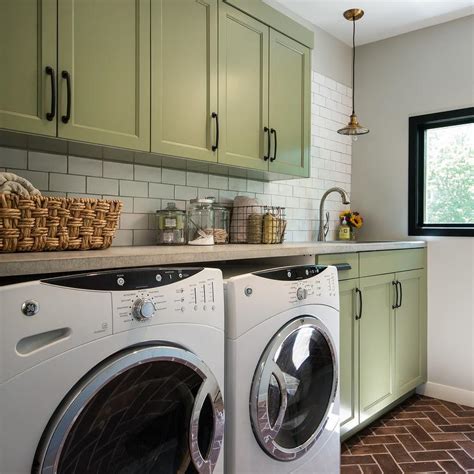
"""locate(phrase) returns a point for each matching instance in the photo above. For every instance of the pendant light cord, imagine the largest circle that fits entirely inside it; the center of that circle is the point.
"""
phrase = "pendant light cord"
(353, 62)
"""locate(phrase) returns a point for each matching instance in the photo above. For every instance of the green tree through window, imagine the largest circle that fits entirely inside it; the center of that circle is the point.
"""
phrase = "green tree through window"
(449, 185)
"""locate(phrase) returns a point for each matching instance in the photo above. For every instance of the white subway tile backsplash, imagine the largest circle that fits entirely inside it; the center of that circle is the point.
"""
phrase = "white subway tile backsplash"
(143, 185)
(170, 176)
(103, 186)
(118, 170)
(146, 205)
(47, 162)
(164, 191)
(147, 173)
(201, 180)
(84, 166)
(13, 158)
(185, 193)
(133, 188)
(38, 179)
(219, 182)
(67, 183)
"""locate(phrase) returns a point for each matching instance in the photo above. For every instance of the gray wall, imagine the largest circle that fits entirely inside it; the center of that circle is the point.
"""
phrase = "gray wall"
(331, 57)
(420, 72)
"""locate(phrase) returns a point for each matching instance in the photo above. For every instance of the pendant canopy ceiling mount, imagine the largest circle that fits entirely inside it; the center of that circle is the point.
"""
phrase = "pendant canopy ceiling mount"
(353, 128)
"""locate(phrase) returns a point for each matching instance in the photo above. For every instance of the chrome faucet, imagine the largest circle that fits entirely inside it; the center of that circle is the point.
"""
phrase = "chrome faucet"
(345, 200)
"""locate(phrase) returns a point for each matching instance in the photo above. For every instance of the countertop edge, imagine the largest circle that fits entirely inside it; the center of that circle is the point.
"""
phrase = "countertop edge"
(31, 263)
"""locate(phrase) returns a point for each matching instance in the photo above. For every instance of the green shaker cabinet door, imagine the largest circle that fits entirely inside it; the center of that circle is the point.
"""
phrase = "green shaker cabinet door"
(105, 48)
(243, 89)
(348, 356)
(410, 331)
(290, 105)
(376, 345)
(184, 78)
(27, 47)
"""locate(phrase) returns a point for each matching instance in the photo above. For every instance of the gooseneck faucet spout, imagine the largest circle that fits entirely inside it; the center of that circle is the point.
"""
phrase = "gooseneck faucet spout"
(345, 200)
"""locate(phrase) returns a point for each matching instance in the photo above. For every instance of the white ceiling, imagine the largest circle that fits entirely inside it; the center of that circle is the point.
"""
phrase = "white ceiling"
(382, 19)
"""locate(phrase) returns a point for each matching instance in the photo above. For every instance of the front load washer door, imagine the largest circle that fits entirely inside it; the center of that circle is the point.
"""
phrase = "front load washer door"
(148, 409)
(293, 389)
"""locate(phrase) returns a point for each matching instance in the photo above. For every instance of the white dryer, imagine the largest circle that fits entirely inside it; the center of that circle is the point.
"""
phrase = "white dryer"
(113, 372)
(282, 399)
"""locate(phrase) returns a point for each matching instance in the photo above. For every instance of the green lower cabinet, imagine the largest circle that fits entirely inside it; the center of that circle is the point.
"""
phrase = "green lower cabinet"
(348, 356)
(376, 348)
(382, 351)
(410, 331)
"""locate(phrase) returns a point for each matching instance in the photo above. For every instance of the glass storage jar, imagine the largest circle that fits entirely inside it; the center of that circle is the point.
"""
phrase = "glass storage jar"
(201, 222)
(221, 223)
(171, 225)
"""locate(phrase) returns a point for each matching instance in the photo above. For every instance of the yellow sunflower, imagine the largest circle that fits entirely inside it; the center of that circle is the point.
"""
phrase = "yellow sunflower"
(356, 221)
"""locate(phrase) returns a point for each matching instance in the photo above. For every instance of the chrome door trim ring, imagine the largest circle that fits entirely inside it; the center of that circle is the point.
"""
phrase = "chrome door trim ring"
(52, 443)
(263, 431)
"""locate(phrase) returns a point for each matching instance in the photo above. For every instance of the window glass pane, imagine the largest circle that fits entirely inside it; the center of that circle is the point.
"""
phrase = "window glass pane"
(449, 175)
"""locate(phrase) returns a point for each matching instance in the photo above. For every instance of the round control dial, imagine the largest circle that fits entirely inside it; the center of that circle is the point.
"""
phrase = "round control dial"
(301, 294)
(143, 309)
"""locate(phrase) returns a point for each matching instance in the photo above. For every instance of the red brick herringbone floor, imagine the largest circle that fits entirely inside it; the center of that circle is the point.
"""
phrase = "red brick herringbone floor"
(421, 435)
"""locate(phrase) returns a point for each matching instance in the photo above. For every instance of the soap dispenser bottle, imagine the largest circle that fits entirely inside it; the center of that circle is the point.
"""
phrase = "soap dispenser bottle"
(344, 230)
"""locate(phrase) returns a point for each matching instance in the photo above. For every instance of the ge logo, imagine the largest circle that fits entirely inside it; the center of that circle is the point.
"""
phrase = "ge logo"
(30, 308)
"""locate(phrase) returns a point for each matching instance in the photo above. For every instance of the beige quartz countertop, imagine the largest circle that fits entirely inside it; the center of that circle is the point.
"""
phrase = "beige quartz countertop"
(34, 263)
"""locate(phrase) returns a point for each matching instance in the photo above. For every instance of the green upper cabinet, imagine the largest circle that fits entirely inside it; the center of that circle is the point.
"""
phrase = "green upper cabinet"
(376, 345)
(290, 105)
(104, 61)
(184, 78)
(28, 48)
(410, 331)
(348, 356)
(243, 89)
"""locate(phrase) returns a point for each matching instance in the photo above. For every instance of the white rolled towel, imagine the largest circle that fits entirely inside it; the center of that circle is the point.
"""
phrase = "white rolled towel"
(10, 183)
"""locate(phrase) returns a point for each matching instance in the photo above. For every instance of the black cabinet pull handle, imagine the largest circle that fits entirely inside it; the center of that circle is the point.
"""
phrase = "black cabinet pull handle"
(215, 116)
(267, 131)
(359, 292)
(401, 294)
(67, 117)
(52, 112)
(274, 132)
(395, 284)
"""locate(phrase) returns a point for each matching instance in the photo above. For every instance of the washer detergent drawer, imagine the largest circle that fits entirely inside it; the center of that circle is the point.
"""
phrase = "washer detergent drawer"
(59, 319)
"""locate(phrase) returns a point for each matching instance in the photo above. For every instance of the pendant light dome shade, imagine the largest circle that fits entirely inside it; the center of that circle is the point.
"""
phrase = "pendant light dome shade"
(353, 128)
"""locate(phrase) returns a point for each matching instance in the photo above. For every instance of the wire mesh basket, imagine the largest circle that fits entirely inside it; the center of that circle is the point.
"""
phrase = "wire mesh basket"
(258, 225)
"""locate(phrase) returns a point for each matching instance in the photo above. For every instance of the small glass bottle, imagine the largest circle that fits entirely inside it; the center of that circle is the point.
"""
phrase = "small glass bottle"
(171, 226)
(344, 230)
(201, 222)
(221, 223)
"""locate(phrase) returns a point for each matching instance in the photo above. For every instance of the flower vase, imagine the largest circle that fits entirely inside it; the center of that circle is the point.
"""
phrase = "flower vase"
(353, 233)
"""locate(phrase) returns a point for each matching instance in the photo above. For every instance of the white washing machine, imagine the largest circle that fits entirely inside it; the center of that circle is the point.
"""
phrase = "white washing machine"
(113, 372)
(282, 399)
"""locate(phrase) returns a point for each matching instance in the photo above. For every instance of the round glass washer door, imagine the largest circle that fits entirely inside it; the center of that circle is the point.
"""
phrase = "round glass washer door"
(293, 389)
(149, 409)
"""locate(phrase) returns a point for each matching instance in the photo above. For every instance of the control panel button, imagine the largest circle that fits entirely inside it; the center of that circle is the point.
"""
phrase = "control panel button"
(30, 308)
(143, 309)
(301, 294)
(120, 281)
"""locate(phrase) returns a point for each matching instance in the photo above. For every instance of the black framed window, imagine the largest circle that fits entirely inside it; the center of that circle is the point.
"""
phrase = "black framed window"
(441, 173)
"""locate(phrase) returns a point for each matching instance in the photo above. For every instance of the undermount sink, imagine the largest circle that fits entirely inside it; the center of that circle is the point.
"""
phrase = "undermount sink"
(359, 241)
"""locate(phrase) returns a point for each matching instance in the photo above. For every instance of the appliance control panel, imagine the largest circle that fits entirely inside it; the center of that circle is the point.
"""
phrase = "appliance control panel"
(307, 284)
(186, 298)
(154, 295)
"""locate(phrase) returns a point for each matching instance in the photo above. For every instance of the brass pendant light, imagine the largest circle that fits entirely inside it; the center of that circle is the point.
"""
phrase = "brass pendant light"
(353, 128)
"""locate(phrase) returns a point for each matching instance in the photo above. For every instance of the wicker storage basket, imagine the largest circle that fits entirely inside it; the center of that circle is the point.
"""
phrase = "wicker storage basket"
(55, 223)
